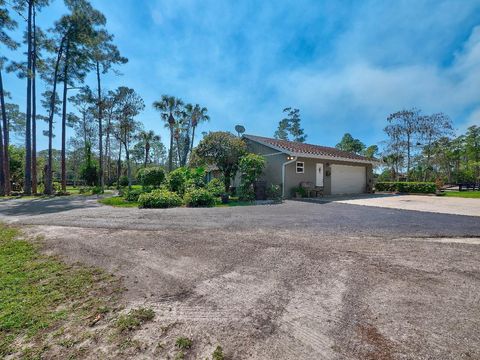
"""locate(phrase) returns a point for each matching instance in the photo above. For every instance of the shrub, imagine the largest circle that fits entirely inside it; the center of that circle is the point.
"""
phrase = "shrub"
(123, 181)
(89, 174)
(195, 178)
(132, 195)
(216, 187)
(300, 190)
(251, 167)
(97, 190)
(57, 187)
(199, 198)
(274, 192)
(159, 199)
(153, 176)
(407, 187)
(177, 179)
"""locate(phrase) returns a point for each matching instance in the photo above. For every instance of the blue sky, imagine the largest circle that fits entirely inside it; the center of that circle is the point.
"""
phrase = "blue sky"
(345, 64)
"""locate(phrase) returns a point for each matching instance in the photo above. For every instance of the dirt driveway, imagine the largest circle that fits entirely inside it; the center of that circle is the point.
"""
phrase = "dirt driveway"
(290, 281)
(436, 204)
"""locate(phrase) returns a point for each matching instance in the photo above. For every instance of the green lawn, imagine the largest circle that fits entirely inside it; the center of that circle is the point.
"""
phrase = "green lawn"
(464, 194)
(118, 201)
(40, 294)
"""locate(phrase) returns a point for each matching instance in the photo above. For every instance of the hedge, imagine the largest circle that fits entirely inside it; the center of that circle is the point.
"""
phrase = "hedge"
(199, 198)
(407, 187)
(159, 199)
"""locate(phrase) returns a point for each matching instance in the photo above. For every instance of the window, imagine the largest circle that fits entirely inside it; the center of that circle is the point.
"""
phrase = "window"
(300, 167)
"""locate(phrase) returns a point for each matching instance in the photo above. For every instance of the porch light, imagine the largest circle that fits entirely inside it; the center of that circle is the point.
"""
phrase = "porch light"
(290, 157)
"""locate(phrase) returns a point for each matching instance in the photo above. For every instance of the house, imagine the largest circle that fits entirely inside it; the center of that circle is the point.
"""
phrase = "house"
(290, 163)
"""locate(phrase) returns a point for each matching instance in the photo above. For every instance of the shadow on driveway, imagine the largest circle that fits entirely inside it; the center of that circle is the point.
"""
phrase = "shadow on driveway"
(334, 198)
(41, 206)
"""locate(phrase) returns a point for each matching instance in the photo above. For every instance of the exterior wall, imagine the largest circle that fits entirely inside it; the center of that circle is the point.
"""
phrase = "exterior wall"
(273, 167)
(293, 179)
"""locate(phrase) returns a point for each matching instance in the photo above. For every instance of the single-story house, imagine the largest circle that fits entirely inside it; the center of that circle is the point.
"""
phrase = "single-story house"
(290, 163)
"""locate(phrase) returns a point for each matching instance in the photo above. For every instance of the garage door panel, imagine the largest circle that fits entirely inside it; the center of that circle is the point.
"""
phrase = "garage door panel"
(348, 179)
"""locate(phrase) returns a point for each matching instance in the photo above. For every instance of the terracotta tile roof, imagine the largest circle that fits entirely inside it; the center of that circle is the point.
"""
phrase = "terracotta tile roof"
(293, 147)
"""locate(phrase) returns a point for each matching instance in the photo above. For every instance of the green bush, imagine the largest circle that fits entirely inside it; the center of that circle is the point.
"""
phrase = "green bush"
(123, 181)
(57, 186)
(153, 176)
(133, 194)
(251, 167)
(300, 190)
(159, 199)
(216, 187)
(97, 190)
(195, 178)
(274, 192)
(199, 198)
(177, 179)
(407, 187)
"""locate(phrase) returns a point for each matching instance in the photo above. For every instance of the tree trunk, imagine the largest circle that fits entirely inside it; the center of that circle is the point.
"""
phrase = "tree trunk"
(147, 150)
(100, 130)
(129, 171)
(27, 186)
(193, 139)
(34, 107)
(48, 178)
(107, 149)
(2, 154)
(170, 151)
(119, 164)
(179, 153)
(5, 164)
(64, 118)
(408, 157)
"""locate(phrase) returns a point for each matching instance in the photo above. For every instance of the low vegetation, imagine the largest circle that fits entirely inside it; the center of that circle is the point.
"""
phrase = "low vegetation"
(42, 296)
(407, 187)
(199, 198)
(159, 199)
(134, 319)
(463, 194)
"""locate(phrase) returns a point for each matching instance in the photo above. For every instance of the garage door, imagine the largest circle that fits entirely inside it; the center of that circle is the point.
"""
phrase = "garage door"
(348, 179)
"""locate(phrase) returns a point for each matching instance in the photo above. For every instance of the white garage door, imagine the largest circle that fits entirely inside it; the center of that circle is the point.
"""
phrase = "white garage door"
(348, 179)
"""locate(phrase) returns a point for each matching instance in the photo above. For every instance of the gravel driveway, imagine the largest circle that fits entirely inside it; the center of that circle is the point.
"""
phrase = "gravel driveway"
(289, 281)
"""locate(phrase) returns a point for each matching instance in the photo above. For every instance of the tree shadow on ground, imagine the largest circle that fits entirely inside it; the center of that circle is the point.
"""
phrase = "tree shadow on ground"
(41, 206)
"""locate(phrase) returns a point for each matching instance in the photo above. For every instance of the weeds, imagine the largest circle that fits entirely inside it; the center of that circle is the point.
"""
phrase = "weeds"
(183, 343)
(134, 319)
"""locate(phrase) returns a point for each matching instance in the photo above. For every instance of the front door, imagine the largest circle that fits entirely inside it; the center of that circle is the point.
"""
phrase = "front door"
(319, 178)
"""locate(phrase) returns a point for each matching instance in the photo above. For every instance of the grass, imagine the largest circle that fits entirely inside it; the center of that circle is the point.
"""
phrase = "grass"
(463, 194)
(134, 319)
(118, 201)
(39, 294)
(234, 201)
(218, 353)
(183, 343)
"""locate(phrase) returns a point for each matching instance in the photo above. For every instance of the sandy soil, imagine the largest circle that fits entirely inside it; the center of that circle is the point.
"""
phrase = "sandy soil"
(290, 281)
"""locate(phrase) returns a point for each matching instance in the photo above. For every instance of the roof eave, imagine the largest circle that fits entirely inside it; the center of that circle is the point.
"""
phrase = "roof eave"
(313, 156)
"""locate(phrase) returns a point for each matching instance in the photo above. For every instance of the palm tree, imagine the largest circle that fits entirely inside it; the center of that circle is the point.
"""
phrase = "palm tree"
(169, 106)
(198, 115)
(147, 138)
